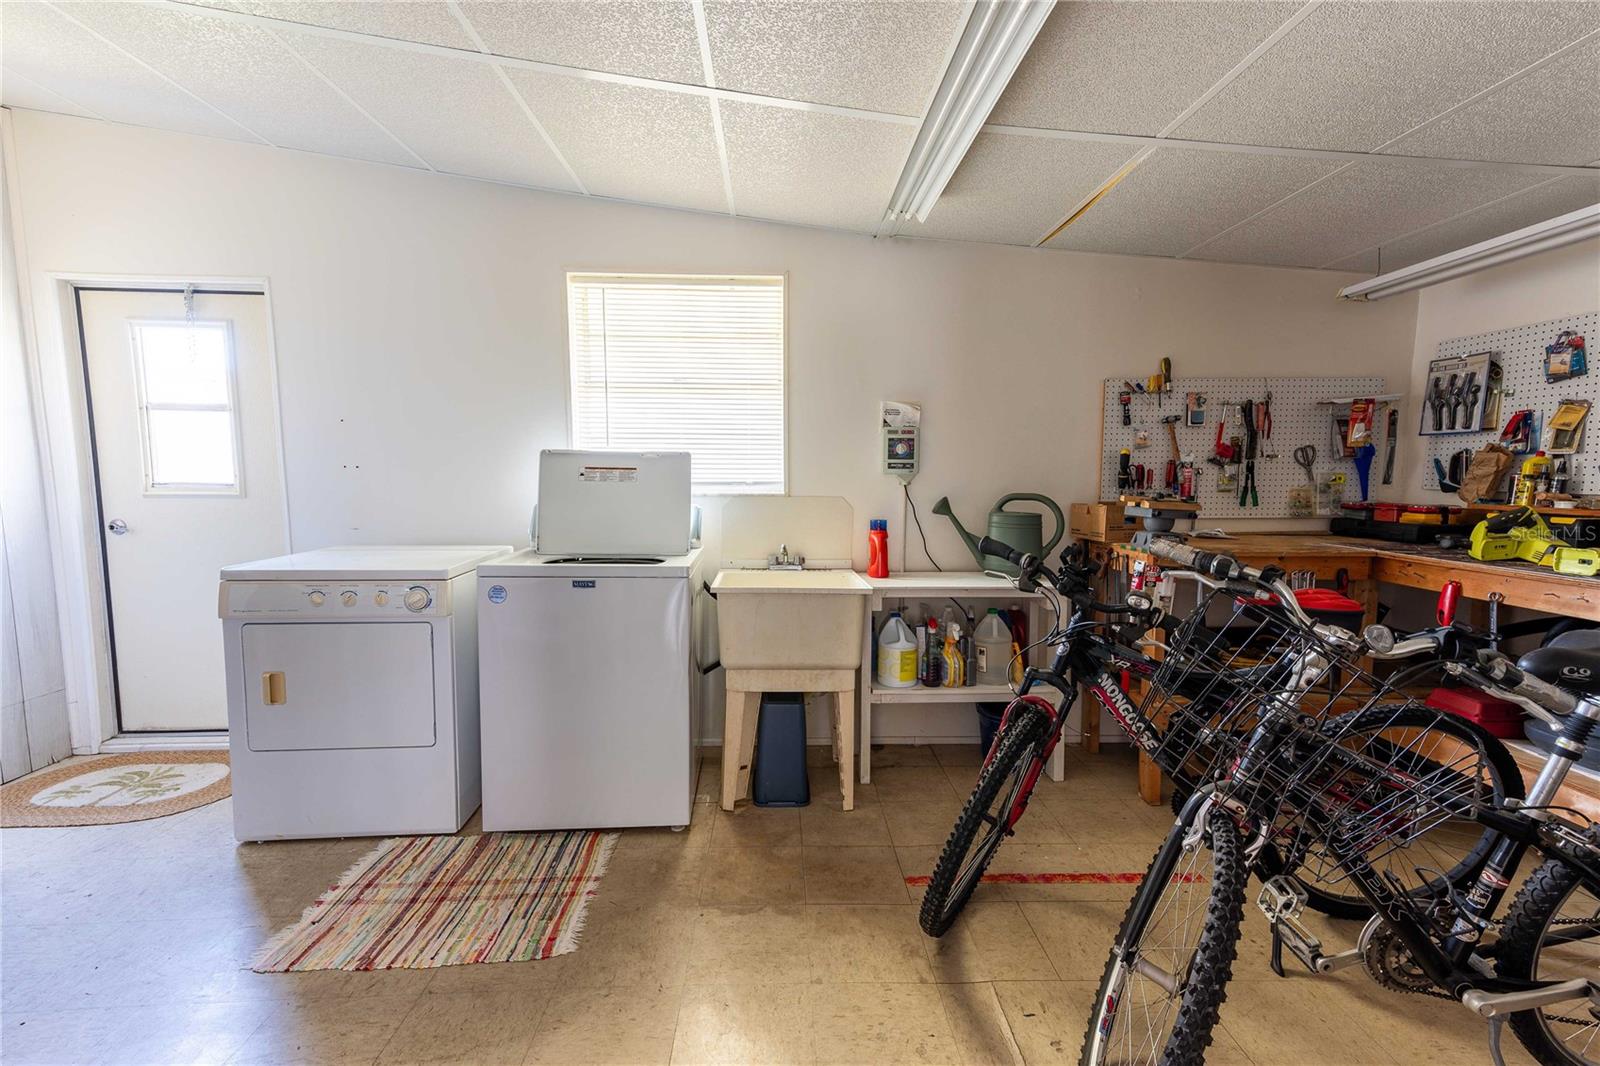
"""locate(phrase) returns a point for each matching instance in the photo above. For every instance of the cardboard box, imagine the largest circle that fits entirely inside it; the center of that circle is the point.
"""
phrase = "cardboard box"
(1102, 521)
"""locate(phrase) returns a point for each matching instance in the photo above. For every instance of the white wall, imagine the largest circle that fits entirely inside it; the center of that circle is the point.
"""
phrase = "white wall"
(420, 327)
(1550, 285)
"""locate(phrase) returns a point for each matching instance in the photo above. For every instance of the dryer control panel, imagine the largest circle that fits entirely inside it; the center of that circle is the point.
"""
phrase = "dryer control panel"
(334, 600)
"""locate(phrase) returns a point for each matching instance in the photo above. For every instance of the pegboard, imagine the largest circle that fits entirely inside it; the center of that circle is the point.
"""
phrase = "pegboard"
(1521, 355)
(1297, 419)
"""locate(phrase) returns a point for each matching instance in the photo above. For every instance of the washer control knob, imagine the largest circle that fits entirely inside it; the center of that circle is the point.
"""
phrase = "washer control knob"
(347, 598)
(381, 599)
(316, 599)
(418, 598)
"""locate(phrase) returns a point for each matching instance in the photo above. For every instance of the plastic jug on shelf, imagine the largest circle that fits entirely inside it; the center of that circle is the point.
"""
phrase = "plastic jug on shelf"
(994, 650)
(897, 654)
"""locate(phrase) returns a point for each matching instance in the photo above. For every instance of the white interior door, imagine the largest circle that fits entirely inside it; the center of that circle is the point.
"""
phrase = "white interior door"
(185, 423)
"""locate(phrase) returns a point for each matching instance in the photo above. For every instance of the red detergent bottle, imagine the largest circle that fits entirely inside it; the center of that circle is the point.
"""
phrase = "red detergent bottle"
(878, 548)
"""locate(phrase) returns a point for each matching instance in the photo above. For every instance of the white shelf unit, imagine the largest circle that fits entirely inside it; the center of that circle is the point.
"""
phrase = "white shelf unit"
(939, 588)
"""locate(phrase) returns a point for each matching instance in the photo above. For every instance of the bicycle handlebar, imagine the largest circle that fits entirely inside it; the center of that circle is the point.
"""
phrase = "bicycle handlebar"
(1221, 567)
(1002, 550)
(1501, 669)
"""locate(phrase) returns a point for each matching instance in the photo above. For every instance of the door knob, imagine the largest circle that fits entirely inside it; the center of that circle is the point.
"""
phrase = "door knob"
(117, 526)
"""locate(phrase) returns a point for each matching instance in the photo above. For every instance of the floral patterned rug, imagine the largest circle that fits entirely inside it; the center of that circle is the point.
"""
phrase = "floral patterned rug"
(126, 787)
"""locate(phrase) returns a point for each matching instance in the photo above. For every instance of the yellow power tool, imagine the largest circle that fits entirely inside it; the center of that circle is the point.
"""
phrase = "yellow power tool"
(1522, 534)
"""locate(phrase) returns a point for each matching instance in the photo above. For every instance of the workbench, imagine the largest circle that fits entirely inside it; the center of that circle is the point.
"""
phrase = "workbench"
(1364, 565)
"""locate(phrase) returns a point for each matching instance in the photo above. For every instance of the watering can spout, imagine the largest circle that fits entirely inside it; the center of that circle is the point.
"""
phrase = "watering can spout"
(942, 507)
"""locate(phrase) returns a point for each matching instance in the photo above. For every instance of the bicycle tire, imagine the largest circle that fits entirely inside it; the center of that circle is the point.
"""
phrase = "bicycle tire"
(1204, 986)
(1522, 933)
(1345, 902)
(953, 882)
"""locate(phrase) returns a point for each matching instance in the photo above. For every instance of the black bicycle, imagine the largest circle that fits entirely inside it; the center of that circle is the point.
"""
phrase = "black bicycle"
(1338, 808)
(1206, 686)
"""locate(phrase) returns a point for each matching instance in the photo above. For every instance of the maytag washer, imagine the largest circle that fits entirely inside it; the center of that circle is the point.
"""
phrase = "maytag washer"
(353, 691)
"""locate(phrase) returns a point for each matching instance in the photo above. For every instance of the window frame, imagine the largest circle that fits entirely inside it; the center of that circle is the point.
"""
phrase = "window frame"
(145, 406)
(569, 391)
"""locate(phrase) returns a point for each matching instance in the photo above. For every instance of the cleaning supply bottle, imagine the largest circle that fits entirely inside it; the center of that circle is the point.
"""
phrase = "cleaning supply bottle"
(878, 548)
(994, 643)
(954, 665)
(897, 654)
(969, 659)
(933, 675)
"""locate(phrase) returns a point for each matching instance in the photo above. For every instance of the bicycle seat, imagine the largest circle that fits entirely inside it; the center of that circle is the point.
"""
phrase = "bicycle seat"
(1574, 669)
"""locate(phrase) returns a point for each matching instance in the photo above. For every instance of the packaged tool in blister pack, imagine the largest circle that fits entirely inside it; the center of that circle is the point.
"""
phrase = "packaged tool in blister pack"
(1462, 393)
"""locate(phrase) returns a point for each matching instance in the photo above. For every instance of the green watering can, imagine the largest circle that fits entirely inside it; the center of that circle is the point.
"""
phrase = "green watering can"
(1023, 530)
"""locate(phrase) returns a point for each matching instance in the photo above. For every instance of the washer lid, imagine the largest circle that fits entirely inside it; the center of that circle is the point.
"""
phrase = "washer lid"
(529, 563)
(365, 561)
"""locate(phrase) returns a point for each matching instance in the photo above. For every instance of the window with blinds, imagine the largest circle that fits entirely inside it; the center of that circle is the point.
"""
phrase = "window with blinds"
(682, 363)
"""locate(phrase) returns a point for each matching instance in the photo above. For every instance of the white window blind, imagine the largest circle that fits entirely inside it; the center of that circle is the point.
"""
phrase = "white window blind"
(679, 363)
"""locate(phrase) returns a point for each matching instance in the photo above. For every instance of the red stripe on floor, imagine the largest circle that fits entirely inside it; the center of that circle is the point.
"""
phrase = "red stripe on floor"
(921, 880)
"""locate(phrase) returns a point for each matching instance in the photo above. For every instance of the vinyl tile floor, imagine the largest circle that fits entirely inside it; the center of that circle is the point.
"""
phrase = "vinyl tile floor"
(762, 936)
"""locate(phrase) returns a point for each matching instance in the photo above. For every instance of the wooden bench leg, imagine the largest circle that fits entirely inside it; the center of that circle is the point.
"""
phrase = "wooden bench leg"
(844, 711)
(738, 744)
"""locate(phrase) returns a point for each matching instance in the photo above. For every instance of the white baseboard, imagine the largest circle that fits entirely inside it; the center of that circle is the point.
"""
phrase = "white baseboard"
(199, 740)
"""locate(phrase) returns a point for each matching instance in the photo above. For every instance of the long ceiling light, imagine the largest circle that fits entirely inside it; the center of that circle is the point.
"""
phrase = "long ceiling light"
(1518, 244)
(997, 35)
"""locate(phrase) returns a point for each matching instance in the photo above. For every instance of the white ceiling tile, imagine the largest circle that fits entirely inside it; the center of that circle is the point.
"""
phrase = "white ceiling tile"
(1013, 190)
(17, 91)
(812, 167)
(1524, 209)
(246, 73)
(1354, 74)
(1130, 67)
(413, 20)
(879, 55)
(57, 54)
(1179, 198)
(1360, 263)
(630, 143)
(1362, 206)
(454, 113)
(1549, 116)
(645, 38)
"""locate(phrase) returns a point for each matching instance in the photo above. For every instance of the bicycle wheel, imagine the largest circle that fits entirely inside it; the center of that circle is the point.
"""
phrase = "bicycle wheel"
(1552, 933)
(1426, 745)
(1169, 969)
(985, 819)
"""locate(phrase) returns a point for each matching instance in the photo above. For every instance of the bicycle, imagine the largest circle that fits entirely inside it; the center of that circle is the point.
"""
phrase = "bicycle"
(1336, 808)
(1200, 704)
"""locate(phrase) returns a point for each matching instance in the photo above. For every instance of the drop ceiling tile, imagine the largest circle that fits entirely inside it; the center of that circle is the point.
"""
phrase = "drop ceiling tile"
(1514, 212)
(1131, 67)
(812, 167)
(879, 55)
(17, 91)
(634, 144)
(645, 38)
(247, 73)
(61, 56)
(454, 113)
(1013, 190)
(1362, 206)
(1179, 198)
(1549, 116)
(1360, 263)
(414, 20)
(1353, 75)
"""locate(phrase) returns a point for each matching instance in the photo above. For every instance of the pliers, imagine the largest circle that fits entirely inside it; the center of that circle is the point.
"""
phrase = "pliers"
(1438, 401)
(1247, 484)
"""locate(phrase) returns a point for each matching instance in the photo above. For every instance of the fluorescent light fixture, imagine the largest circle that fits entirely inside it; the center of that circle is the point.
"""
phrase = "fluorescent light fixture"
(1518, 244)
(997, 35)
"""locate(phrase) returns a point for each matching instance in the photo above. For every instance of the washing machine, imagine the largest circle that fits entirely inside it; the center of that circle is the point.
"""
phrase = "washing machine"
(353, 691)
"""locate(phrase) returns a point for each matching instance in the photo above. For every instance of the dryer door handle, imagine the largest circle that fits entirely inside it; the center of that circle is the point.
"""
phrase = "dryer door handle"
(273, 690)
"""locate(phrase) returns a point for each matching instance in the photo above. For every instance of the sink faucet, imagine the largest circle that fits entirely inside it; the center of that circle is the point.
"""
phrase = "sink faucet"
(784, 561)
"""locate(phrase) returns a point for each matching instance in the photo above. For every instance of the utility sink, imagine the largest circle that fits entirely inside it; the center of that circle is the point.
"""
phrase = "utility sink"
(790, 619)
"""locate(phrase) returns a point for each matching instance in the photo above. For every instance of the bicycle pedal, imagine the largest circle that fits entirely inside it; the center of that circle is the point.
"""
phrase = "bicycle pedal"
(1286, 932)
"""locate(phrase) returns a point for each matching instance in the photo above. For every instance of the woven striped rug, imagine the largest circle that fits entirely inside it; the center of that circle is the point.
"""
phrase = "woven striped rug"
(415, 903)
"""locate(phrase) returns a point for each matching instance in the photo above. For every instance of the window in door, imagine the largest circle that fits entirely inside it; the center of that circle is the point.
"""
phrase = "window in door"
(682, 363)
(188, 429)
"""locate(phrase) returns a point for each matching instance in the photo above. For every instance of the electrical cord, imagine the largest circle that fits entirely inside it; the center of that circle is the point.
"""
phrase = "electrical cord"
(904, 487)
